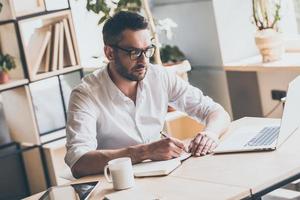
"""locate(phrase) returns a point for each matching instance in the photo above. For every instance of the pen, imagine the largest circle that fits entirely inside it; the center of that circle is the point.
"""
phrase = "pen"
(165, 135)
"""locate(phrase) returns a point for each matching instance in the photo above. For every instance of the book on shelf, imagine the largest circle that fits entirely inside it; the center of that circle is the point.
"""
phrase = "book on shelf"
(44, 67)
(36, 48)
(55, 46)
(70, 54)
(47, 56)
(61, 47)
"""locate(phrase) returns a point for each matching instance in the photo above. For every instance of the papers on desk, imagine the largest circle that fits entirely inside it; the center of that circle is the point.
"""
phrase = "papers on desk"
(158, 168)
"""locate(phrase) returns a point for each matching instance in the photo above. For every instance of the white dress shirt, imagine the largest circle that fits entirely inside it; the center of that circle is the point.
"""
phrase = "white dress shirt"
(100, 116)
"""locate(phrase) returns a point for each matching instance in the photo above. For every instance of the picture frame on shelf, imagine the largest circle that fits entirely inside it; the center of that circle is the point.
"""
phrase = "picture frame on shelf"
(22, 126)
(68, 82)
(48, 105)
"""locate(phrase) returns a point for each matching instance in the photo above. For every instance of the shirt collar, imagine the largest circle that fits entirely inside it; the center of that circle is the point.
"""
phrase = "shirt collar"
(114, 91)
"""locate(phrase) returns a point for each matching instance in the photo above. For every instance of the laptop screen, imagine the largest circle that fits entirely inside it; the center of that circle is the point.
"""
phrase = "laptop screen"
(290, 119)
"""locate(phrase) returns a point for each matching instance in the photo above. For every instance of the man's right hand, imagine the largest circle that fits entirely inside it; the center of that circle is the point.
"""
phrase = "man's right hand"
(165, 149)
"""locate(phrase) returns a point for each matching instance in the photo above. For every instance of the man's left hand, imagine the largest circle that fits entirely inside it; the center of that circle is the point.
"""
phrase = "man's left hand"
(202, 144)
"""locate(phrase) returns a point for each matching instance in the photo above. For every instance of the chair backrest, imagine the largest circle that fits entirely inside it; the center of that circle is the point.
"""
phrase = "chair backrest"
(181, 126)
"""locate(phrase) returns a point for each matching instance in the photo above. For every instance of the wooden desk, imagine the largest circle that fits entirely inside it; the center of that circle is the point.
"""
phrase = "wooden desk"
(167, 187)
(259, 171)
(226, 176)
(179, 188)
(250, 83)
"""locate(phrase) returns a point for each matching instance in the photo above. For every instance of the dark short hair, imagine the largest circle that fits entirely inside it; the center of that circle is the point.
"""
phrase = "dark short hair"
(114, 26)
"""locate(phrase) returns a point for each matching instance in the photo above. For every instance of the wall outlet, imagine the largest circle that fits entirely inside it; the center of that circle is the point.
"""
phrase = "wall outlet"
(278, 94)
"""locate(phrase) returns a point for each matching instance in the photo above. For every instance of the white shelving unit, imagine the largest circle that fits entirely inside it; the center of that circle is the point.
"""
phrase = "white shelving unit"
(42, 40)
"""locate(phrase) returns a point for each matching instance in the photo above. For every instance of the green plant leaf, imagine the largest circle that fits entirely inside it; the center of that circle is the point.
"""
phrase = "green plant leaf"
(7, 62)
(104, 18)
(170, 54)
(100, 7)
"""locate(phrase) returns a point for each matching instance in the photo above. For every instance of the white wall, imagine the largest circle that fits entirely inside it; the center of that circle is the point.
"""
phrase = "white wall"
(273, 81)
(236, 30)
(88, 34)
(196, 34)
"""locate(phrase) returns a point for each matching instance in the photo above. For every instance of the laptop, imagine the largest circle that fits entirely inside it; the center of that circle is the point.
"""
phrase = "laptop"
(270, 137)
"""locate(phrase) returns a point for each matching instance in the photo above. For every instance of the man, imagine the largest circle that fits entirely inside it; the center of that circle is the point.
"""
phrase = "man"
(120, 110)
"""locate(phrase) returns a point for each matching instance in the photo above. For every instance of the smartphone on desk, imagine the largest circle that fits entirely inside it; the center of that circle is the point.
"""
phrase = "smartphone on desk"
(79, 191)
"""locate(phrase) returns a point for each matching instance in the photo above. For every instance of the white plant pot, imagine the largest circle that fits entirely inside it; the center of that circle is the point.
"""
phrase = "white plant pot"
(270, 44)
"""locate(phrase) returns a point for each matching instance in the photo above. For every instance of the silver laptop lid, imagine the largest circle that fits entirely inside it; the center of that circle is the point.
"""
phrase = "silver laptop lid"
(290, 119)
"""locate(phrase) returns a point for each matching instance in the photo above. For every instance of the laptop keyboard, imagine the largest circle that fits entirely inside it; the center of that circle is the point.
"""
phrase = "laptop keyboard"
(265, 137)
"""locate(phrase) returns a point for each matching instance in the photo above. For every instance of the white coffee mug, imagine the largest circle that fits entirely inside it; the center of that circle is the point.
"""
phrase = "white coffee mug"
(121, 173)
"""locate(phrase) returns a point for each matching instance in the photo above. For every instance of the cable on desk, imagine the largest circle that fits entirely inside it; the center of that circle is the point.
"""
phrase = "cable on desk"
(275, 107)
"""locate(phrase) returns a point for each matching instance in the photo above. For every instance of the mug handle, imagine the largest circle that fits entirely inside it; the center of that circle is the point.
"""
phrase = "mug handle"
(107, 176)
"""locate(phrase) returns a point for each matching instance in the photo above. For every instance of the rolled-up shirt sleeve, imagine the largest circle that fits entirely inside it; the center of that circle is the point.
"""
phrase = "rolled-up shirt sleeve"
(189, 99)
(81, 126)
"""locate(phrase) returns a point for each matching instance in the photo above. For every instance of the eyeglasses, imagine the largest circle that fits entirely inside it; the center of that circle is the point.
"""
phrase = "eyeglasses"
(134, 54)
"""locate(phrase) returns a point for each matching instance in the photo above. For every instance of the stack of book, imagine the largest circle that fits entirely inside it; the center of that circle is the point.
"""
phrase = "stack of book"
(51, 48)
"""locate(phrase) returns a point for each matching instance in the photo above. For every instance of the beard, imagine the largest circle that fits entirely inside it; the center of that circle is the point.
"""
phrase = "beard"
(136, 73)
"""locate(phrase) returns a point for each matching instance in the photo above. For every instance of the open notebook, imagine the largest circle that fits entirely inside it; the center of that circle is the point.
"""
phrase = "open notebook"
(158, 168)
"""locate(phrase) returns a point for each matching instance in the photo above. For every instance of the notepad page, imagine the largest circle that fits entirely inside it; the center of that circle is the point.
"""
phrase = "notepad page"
(158, 168)
(184, 156)
(155, 168)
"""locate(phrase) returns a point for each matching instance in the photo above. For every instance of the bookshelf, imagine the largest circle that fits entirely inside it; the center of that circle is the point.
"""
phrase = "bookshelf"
(40, 35)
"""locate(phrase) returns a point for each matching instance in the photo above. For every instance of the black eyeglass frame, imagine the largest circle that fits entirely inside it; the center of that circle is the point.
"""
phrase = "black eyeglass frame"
(139, 52)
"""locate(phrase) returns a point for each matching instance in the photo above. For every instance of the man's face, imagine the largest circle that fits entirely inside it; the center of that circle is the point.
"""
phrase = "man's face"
(133, 69)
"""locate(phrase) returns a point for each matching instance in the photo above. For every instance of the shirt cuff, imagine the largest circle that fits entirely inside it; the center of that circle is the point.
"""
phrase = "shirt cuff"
(73, 155)
(212, 136)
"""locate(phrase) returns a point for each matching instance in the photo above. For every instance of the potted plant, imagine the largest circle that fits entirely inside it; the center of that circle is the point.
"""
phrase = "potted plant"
(266, 15)
(7, 63)
(171, 54)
